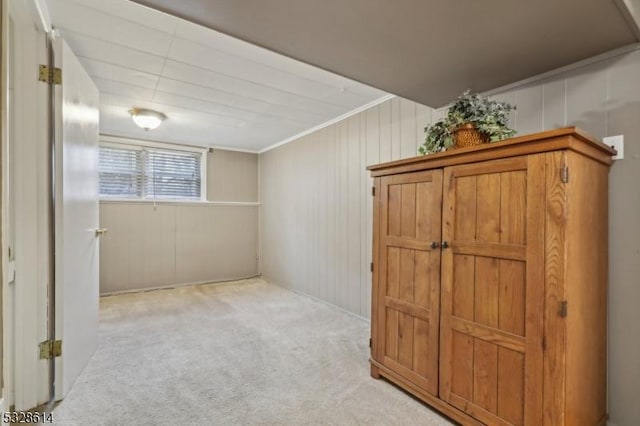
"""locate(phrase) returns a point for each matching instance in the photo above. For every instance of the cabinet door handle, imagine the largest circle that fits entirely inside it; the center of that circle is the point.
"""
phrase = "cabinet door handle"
(434, 245)
(445, 245)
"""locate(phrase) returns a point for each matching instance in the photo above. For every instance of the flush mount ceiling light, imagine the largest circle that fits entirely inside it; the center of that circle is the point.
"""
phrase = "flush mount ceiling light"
(146, 118)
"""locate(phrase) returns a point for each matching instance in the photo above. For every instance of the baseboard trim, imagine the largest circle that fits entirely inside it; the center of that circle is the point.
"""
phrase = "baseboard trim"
(172, 286)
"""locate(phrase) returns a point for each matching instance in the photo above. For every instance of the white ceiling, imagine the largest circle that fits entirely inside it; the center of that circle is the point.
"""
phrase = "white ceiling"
(215, 90)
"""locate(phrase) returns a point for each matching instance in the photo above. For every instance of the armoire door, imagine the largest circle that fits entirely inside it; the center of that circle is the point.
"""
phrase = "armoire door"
(408, 295)
(493, 289)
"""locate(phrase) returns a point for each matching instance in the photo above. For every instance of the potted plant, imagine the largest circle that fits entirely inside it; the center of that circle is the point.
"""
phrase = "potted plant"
(470, 120)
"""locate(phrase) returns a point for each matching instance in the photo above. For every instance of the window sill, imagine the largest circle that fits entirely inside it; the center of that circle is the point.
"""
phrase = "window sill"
(202, 203)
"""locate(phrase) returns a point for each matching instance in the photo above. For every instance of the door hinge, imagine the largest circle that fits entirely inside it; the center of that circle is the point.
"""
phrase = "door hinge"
(373, 191)
(369, 342)
(562, 311)
(564, 174)
(371, 266)
(50, 75)
(50, 349)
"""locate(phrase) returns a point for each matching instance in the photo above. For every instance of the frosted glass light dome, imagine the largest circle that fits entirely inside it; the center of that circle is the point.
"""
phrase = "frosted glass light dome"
(147, 118)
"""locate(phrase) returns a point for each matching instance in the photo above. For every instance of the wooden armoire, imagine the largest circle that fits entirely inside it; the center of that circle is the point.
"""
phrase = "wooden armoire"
(490, 279)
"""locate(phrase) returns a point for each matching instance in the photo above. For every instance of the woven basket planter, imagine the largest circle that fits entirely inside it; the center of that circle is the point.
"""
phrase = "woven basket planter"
(468, 135)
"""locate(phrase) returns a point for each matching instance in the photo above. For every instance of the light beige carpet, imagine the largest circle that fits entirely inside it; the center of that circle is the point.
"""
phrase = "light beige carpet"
(245, 353)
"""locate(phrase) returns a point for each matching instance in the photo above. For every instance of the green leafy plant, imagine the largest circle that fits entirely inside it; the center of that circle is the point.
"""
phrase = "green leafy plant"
(488, 116)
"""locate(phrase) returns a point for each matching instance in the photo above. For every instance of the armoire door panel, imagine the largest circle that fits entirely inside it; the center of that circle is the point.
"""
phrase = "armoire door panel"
(485, 375)
(421, 352)
(484, 288)
(465, 212)
(485, 306)
(405, 340)
(422, 294)
(409, 276)
(488, 208)
(510, 391)
(462, 294)
(426, 199)
(511, 296)
(513, 207)
(392, 209)
(391, 334)
(461, 379)
(408, 210)
(393, 272)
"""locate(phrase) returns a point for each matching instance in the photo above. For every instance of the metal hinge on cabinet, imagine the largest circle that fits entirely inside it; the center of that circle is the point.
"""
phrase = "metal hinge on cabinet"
(564, 174)
(369, 342)
(562, 311)
(371, 266)
(50, 349)
(50, 75)
(373, 191)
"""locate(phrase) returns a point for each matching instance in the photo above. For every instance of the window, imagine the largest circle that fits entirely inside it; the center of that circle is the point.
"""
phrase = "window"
(171, 174)
(120, 172)
(150, 172)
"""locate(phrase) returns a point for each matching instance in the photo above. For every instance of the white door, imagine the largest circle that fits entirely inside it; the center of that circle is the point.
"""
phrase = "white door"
(76, 218)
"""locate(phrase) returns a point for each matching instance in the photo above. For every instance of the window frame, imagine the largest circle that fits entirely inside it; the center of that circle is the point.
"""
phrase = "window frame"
(117, 142)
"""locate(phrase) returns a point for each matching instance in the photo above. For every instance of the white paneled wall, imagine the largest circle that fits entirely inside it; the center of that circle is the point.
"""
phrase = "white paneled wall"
(316, 203)
(232, 176)
(316, 224)
(169, 244)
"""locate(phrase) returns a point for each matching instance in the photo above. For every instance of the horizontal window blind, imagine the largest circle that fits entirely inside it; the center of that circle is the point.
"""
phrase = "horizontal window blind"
(149, 173)
(172, 174)
(120, 172)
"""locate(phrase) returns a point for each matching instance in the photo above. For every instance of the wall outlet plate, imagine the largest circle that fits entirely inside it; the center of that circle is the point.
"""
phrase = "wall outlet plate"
(617, 143)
